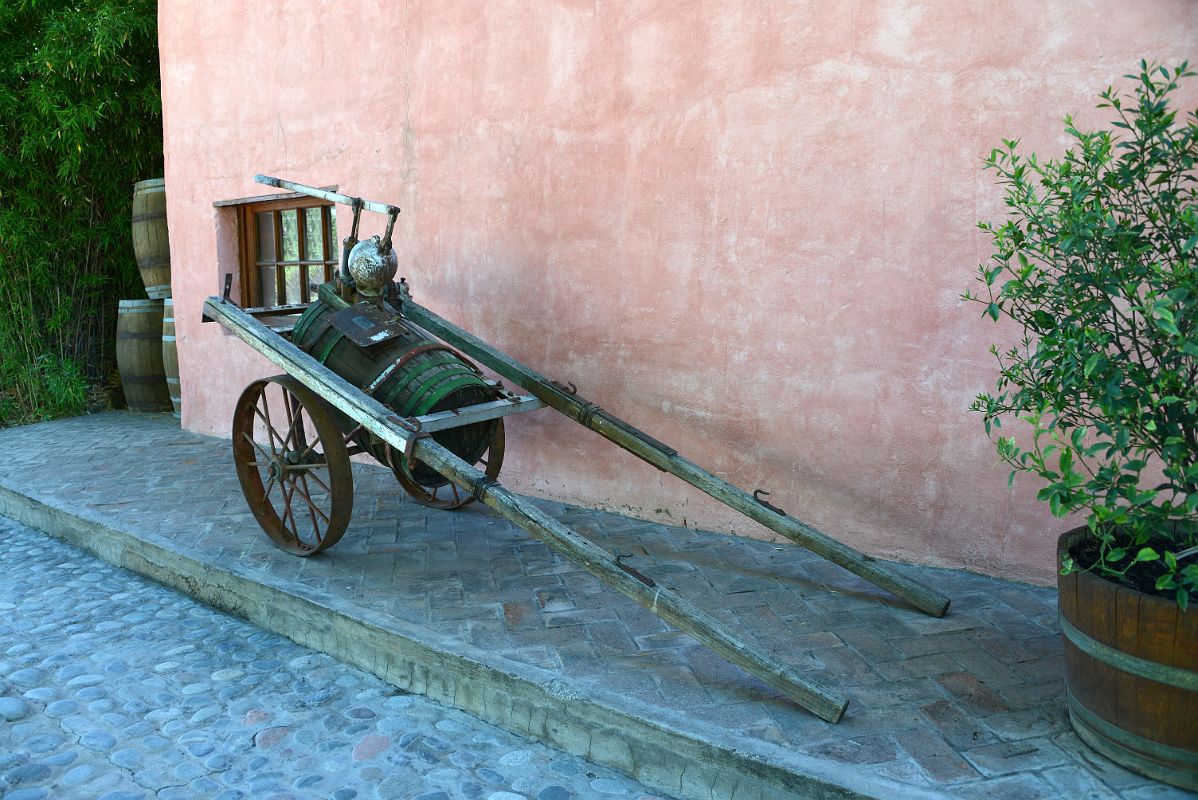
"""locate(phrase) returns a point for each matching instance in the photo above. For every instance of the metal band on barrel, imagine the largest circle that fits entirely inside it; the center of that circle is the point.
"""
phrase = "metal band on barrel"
(1161, 673)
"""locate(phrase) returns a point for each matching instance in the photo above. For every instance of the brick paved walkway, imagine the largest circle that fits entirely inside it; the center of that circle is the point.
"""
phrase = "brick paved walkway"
(966, 706)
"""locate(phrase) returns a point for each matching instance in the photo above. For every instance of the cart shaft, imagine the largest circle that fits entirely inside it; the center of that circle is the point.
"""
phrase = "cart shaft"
(666, 459)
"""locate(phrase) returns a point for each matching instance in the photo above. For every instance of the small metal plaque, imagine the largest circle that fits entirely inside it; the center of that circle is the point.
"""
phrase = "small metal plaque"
(367, 325)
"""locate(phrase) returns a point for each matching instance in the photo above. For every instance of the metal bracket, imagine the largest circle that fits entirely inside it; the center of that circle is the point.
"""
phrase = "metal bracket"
(640, 576)
(224, 298)
(758, 493)
(482, 486)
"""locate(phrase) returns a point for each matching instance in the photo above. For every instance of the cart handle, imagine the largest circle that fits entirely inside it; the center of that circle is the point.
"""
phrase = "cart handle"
(324, 194)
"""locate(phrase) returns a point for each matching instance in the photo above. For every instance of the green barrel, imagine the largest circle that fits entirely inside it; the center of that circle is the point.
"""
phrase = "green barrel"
(429, 378)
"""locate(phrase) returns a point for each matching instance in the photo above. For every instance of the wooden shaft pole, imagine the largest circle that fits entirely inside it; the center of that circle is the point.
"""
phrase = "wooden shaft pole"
(325, 194)
(665, 603)
(648, 449)
(668, 605)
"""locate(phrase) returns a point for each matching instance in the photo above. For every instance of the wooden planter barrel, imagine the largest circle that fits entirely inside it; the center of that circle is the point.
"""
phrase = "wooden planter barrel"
(1131, 665)
(150, 243)
(170, 356)
(139, 355)
(418, 376)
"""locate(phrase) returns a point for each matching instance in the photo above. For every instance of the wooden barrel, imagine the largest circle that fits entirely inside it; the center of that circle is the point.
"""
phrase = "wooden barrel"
(170, 356)
(139, 355)
(1131, 671)
(414, 376)
(150, 243)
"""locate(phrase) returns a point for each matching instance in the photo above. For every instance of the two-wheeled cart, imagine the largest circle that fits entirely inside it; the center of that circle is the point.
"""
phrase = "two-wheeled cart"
(368, 370)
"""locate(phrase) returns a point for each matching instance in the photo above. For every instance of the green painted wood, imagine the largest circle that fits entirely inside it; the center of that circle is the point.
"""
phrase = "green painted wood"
(427, 382)
(667, 604)
(648, 449)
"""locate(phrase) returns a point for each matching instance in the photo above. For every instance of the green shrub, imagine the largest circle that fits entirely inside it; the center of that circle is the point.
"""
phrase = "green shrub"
(1096, 264)
(80, 122)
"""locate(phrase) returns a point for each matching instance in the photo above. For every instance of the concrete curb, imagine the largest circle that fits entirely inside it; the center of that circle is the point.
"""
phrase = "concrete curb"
(672, 755)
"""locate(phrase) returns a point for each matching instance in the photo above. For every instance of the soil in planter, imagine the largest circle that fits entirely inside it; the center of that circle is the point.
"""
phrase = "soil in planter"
(1141, 576)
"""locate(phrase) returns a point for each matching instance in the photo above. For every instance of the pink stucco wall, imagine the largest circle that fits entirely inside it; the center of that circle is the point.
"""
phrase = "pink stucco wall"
(743, 226)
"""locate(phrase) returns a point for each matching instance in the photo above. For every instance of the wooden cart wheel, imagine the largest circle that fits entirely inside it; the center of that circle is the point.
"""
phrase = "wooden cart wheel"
(445, 494)
(298, 484)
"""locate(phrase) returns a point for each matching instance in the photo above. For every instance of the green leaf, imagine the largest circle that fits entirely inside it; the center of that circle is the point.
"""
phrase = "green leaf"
(993, 310)
(1146, 554)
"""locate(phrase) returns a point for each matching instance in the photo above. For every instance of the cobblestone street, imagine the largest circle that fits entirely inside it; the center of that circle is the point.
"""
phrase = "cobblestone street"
(113, 687)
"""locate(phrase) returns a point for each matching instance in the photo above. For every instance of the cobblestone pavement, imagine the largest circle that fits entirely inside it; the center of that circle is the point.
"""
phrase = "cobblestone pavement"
(114, 687)
(971, 705)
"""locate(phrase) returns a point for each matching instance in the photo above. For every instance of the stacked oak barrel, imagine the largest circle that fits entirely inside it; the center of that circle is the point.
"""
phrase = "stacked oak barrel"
(145, 335)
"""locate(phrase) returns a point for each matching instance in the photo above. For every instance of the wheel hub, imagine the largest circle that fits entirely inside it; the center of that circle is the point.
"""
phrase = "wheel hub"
(277, 467)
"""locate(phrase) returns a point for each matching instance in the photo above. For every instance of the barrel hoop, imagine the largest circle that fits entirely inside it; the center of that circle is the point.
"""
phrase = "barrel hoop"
(407, 356)
(153, 215)
(154, 261)
(416, 395)
(408, 380)
(166, 338)
(1152, 758)
(445, 390)
(139, 306)
(122, 336)
(333, 341)
(301, 326)
(1161, 673)
(171, 380)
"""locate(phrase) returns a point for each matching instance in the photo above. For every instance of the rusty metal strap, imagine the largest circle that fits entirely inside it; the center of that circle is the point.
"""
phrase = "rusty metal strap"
(481, 487)
(640, 576)
(587, 411)
(408, 356)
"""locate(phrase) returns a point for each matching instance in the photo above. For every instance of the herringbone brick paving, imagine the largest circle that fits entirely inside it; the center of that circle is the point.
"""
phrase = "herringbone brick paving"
(972, 703)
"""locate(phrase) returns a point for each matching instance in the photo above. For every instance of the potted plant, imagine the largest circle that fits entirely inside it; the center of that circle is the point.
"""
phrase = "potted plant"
(1097, 264)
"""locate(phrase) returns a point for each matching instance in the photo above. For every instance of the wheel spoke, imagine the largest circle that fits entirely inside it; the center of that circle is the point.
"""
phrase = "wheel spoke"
(323, 485)
(457, 498)
(350, 436)
(270, 485)
(257, 447)
(292, 419)
(311, 446)
(264, 414)
(311, 503)
(289, 514)
(311, 509)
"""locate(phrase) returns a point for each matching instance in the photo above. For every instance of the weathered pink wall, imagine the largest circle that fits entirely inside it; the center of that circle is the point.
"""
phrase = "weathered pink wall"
(742, 226)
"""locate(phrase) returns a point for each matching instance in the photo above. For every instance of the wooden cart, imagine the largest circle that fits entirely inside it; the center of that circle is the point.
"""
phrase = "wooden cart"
(368, 370)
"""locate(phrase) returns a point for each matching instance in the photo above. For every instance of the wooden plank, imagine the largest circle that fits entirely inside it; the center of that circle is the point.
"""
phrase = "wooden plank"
(663, 602)
(480, 412)
(267, 198)
(646, 448)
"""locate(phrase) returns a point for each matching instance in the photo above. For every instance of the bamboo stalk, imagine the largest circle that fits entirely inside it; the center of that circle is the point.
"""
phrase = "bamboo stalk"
(664, 458)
